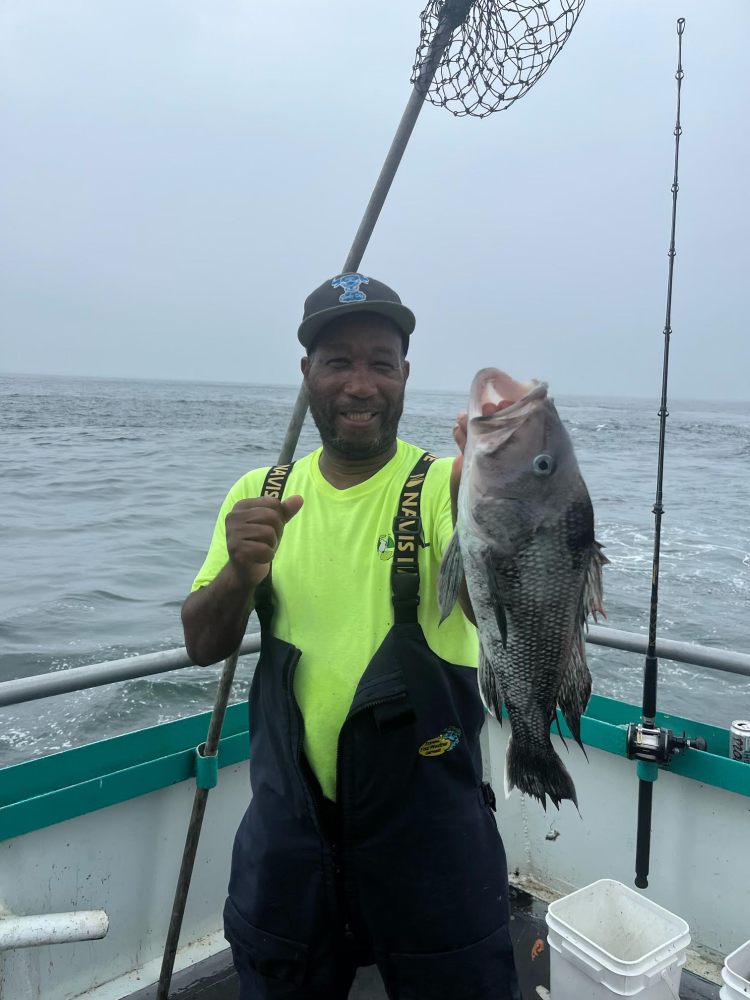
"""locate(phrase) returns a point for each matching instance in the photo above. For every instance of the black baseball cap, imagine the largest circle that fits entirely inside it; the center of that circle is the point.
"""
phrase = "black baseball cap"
(352, 292)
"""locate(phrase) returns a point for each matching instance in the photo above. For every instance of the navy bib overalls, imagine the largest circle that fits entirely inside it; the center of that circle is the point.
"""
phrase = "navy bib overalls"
(407, 869)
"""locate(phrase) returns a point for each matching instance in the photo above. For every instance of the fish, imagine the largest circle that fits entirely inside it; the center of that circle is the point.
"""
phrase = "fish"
(524, 543)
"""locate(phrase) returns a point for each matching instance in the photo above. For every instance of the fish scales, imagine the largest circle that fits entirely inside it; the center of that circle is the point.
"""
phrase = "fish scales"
(525, 544)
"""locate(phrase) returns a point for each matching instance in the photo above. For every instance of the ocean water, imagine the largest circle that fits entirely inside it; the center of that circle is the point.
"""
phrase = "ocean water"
(109, 489)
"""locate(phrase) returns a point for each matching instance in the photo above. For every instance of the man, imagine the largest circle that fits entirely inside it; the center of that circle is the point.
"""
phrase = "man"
(370, 834)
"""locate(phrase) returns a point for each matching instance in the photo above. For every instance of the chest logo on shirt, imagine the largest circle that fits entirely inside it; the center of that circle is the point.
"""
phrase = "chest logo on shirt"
(441, 744)
(386, 545)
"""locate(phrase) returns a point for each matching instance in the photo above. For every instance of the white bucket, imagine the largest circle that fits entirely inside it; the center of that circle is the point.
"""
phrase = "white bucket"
(736, 974)
(607, 940)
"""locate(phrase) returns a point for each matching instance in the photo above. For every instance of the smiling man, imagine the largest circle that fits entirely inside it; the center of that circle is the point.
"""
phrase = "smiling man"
(370, 835)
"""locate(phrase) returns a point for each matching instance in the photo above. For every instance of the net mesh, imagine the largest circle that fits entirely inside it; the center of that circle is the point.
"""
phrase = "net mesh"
(496, 54)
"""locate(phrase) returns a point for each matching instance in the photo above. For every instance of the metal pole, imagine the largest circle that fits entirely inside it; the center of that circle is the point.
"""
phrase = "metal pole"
(649, 771)
(452, 14)
(25, 689)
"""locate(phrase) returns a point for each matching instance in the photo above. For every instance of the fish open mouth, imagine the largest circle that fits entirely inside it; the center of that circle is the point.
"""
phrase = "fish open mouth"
(494, 394)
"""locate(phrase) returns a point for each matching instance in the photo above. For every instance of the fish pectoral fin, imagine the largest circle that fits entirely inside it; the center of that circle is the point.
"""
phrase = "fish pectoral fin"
(489, 686)
(498, 607)
(593, 601)
(451, 577)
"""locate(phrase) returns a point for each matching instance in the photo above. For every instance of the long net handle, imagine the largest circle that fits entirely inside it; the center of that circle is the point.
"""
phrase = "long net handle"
(454, 12)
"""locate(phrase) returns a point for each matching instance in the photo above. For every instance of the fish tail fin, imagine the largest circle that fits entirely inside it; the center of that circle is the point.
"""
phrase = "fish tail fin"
(538, 773)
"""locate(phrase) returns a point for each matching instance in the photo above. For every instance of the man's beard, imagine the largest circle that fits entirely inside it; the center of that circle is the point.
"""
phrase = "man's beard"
(325, 421)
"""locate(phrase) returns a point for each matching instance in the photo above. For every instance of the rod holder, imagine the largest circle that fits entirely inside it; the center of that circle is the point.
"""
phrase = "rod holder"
(646, 771)
(206, 768)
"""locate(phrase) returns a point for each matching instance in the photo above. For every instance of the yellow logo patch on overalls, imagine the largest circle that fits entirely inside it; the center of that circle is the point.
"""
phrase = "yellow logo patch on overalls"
(441, 744)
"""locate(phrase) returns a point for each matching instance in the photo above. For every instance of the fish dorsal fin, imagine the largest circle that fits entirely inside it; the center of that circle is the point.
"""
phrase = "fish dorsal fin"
(575, 684)
(451, 577)
(575, 687)
(489, 686)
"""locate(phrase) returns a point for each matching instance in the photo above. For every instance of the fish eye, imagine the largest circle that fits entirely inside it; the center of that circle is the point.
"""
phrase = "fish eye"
(543, 465)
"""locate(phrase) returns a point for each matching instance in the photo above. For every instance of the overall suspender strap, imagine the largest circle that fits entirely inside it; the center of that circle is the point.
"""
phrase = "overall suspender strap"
(273, 486)
(409, 538)
(275, 481)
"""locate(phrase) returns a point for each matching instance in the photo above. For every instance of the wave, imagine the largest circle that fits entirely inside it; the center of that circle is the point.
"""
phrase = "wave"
(109, 595)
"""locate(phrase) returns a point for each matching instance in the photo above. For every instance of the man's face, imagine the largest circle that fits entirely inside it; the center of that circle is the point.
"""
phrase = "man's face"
(355, 379)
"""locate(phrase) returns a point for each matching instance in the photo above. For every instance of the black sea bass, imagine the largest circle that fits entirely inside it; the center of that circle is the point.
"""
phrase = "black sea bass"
(525, 542)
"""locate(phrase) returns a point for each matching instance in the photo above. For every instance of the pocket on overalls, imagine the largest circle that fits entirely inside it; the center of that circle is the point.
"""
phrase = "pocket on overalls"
(484, 970)
(266, 954)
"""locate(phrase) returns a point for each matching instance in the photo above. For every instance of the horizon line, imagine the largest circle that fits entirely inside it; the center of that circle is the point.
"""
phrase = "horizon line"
(288, 385)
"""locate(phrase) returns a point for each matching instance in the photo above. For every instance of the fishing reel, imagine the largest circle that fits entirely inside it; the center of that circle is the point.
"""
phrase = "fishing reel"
(657, 745)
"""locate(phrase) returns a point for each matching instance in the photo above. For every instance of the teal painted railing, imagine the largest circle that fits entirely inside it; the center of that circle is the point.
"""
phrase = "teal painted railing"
(42, 792)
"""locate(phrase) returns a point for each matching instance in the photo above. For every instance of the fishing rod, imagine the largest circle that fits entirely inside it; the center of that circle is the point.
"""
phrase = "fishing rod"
(474, 57)
(649, 744)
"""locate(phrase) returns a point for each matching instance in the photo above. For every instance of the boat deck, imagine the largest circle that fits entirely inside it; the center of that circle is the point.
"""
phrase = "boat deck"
(214, 979)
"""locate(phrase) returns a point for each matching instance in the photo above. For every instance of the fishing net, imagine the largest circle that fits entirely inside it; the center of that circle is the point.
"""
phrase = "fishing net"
(498, 51)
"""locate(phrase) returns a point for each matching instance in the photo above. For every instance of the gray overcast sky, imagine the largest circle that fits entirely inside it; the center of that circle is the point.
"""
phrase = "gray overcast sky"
(177, 175)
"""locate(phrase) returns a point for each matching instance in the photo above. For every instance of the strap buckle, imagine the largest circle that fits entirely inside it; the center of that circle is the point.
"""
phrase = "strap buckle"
(405, 597)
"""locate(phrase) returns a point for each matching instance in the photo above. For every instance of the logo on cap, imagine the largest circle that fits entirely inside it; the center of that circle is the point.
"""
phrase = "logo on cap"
(350, 283)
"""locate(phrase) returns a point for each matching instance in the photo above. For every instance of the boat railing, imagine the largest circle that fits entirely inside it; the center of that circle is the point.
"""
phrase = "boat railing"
(24, 689)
